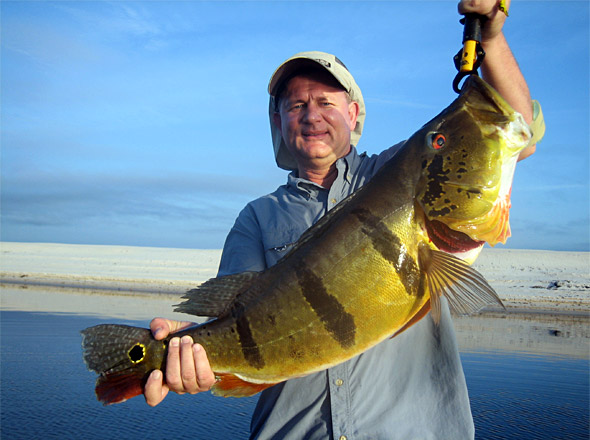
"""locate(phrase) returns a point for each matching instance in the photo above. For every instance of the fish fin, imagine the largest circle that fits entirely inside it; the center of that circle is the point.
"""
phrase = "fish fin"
(123, 356)
(466, 289)
(230, 385)
(118, 387)
(111, 348)
(213, 298)
(324, 223)
(417, 317)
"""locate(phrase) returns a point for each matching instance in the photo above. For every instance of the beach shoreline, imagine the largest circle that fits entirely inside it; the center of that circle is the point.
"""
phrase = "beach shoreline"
(528, 281)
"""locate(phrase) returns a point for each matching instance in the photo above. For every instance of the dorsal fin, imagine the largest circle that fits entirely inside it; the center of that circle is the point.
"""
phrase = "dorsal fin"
(214, 297)
(324, 223)
(466, 289)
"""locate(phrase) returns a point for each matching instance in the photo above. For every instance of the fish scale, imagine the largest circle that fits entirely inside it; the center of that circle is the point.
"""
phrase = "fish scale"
(372, 267)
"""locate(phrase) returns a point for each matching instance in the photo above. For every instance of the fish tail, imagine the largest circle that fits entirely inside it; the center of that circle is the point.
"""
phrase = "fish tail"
(119, 387)
(123, 356)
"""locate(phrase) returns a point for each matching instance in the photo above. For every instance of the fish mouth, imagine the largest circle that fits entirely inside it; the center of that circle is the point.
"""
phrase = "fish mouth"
(450, 240)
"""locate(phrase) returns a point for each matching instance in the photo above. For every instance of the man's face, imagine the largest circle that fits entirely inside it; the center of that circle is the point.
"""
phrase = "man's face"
(315, 118)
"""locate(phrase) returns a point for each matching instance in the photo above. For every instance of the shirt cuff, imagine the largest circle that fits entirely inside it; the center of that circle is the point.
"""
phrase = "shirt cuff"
(537, 126)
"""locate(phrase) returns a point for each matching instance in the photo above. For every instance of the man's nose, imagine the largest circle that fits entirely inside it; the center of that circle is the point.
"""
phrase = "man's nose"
(312, 113)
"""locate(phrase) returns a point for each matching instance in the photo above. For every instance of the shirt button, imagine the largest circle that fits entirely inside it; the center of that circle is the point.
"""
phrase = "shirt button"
(339, 383)
(342, 437)
(333, 201)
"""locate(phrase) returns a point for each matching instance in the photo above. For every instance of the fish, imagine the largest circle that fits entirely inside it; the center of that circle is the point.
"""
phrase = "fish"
(368, 270)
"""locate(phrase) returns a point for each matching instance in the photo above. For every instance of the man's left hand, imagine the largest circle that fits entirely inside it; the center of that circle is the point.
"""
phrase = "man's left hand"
(491, 9)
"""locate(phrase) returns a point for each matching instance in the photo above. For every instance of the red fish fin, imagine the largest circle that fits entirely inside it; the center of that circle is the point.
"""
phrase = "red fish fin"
(229, 385)
(417, 317)
(118, 387)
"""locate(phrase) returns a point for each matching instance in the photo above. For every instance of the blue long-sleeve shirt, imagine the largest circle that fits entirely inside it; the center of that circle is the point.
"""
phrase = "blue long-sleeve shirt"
(408, 387)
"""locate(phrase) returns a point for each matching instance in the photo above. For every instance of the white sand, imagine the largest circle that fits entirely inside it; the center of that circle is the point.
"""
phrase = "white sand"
(540, 280)
(546, 293)
(101, 280)
(114, 267)
(524, 279)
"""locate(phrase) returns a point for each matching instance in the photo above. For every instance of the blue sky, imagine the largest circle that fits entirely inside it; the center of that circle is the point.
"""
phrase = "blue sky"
(145, 123)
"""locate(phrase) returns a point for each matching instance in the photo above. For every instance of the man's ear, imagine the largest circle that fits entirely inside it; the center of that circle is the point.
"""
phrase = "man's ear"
(276, 119)
(353, 113)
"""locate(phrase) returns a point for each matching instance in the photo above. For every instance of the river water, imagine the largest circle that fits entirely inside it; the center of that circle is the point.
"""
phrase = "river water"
(527, 388)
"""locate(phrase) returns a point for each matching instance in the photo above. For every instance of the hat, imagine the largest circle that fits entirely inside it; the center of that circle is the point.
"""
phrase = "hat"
(338, 70)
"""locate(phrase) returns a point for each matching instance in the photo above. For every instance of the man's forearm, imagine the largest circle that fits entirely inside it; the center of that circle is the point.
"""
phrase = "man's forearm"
(501, 71)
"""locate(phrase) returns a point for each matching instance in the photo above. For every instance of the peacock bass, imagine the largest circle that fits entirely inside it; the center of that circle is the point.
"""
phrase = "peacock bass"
(372, 267)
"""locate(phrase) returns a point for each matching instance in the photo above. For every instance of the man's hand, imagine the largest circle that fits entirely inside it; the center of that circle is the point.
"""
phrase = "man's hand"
(187, 366)
(491, 9)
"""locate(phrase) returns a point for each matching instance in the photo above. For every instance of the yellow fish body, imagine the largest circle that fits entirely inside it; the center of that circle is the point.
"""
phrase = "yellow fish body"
(368, 270)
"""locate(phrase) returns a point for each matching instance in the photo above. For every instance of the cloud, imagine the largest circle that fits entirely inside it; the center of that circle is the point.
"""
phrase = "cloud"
(192, 208)
(115, 19)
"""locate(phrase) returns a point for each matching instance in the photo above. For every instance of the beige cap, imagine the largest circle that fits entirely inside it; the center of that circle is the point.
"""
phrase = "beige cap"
(338, 70)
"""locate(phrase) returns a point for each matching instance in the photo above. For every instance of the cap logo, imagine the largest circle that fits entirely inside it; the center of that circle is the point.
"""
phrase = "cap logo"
(324, 63)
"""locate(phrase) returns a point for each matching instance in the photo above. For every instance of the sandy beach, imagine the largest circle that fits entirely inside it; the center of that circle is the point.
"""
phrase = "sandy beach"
(546, 293)
(118, 281)
(525, 279)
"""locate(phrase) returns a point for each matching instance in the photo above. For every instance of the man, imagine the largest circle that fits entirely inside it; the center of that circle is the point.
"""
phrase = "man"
(411, 386)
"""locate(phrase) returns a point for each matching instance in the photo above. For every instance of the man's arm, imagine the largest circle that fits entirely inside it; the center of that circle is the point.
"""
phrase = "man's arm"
(500, 68)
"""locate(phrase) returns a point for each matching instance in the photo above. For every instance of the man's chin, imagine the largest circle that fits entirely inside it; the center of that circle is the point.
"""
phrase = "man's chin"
(320, 151)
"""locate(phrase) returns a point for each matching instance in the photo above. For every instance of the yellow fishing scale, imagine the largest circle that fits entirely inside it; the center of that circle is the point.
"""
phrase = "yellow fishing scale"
(470, 57)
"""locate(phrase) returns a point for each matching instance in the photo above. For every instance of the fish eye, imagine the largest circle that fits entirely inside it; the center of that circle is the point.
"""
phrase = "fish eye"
(437, 140)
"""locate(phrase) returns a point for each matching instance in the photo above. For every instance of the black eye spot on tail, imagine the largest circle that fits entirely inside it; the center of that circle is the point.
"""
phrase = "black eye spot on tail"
(136, 353)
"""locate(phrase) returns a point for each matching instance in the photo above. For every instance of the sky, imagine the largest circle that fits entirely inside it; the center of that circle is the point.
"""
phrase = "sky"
(145, 123)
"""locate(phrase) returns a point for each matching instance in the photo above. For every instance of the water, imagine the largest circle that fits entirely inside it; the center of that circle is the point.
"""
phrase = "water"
(522, 396)
(46, 392)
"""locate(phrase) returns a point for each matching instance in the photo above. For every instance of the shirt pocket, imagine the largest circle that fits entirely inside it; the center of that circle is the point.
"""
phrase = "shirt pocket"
(278, 243)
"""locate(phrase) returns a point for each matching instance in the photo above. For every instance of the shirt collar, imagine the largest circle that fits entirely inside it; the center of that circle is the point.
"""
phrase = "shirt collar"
(345, 166)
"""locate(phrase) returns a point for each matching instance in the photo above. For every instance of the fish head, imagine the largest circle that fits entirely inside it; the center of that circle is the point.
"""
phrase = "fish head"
(468, 154)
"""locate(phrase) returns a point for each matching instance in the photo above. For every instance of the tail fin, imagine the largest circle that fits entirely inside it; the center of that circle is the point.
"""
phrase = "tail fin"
(118, 387)
(123, 356)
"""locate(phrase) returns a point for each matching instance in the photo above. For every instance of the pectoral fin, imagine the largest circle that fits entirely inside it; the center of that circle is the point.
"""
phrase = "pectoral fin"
(466, 289)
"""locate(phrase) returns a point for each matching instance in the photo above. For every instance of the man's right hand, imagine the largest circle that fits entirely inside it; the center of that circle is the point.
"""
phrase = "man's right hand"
(187, 366)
